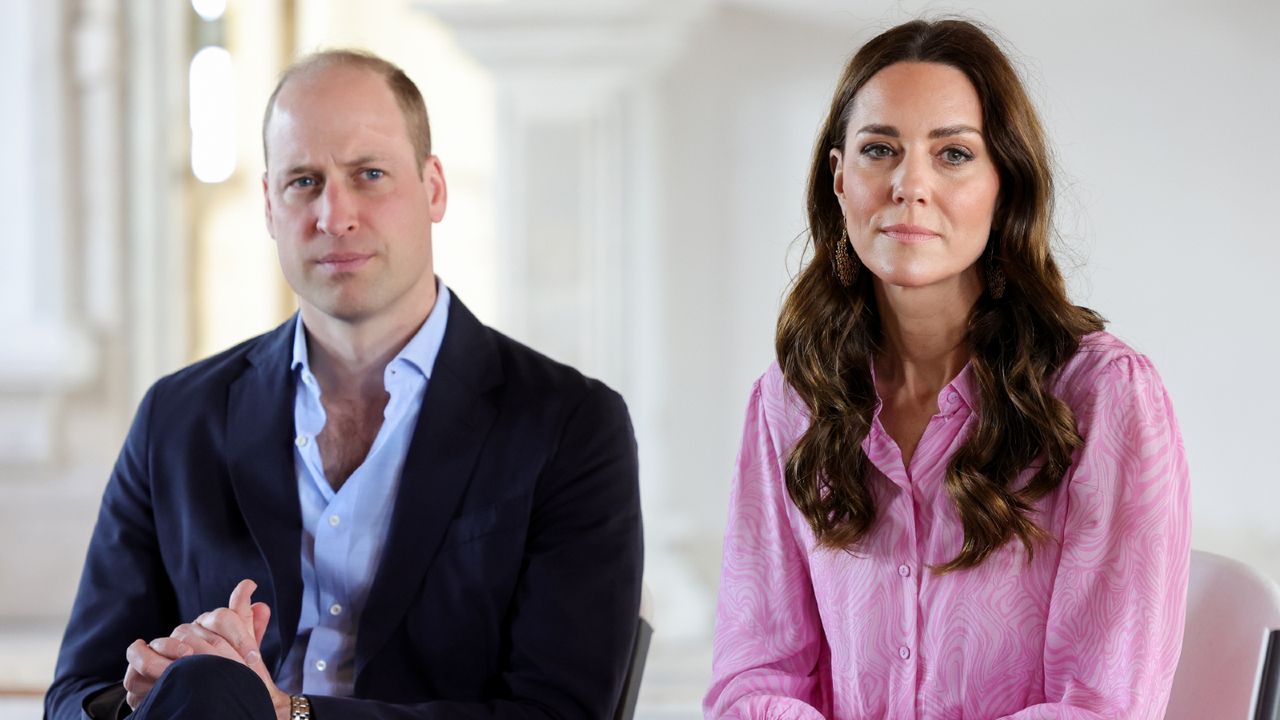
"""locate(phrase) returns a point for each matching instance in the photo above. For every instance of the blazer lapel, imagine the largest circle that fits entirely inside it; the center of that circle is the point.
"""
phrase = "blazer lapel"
(260, 461)
(455, 418)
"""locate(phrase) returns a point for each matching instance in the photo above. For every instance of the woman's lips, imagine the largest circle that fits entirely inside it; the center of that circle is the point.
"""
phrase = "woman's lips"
(342, 262)
(909, 233)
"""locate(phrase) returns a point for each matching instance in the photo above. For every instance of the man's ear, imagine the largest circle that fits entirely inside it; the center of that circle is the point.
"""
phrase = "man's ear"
(266, 206)
(437, 190)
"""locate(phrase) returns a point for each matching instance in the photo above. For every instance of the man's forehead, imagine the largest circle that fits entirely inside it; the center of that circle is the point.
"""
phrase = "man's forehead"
(325, 114)
(333, 88)
(295, 142)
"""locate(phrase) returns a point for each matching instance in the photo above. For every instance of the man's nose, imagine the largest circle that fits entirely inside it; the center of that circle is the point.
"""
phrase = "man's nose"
(336, 214)
(911, 180)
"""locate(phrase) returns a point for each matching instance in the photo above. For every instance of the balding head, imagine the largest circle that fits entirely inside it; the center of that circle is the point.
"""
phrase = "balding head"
(405, 91)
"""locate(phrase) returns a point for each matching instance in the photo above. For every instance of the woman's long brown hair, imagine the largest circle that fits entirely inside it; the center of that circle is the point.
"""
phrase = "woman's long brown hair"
(828, 334)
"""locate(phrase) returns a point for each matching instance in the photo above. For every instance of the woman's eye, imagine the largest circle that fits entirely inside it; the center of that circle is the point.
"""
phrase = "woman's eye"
(877, 150)
(956, 156)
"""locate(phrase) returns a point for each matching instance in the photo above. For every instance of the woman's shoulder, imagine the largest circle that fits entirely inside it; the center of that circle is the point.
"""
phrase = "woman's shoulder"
(1101, 362)
(781, 405)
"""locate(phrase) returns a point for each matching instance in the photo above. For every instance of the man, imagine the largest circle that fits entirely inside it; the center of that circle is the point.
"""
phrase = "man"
(435, 520)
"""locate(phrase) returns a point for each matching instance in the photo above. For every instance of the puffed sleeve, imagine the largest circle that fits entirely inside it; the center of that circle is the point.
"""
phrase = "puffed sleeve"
(1119, 598)
(768, 638)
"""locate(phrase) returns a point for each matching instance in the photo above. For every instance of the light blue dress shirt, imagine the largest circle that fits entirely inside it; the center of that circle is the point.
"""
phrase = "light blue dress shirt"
(343, 532)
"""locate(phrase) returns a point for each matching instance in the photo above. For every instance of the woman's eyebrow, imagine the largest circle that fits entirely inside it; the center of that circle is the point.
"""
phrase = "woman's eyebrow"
(953, 130)
(942, 132)
(873, 129)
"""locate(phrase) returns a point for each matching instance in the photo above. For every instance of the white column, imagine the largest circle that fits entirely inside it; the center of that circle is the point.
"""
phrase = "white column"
(92, 285)
(49, 351)
(578, 210)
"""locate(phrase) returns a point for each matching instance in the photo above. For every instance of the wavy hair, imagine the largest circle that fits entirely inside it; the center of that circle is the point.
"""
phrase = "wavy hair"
(828, 334)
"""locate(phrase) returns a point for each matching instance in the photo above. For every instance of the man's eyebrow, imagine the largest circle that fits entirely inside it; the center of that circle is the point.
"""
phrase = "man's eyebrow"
(364, 160)
(305, 169)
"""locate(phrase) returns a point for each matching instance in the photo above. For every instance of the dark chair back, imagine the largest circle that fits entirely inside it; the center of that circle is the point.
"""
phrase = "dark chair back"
(1268, 707)
(635, 671)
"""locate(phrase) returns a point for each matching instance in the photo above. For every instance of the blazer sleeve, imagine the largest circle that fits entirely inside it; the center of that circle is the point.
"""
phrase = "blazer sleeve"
(577, 601)
(768, 645)
(1119, 599)
(124, 591)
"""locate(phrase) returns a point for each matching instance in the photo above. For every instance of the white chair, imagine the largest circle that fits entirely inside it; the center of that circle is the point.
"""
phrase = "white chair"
(1230, 663)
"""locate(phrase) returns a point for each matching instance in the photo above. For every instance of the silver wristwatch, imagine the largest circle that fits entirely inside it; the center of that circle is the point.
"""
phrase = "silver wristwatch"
(299, 707)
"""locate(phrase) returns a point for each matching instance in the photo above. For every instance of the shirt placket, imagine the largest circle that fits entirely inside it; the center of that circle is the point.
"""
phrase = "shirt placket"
(927, 492)
(905, 572)
(332, 543)
(902, 570)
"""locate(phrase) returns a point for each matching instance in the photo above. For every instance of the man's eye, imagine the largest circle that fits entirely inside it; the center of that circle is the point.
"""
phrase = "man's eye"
(877, 150)
(303, 183)
(374, 174)
(956, 156)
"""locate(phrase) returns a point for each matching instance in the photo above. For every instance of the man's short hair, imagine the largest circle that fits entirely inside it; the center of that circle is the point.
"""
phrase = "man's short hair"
(412, 106)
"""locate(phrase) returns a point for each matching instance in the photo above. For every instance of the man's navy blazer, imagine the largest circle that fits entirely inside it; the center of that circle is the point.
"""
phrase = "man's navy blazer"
(510, 583)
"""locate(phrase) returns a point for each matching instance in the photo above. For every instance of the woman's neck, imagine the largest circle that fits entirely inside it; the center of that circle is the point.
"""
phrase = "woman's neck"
(924, 331)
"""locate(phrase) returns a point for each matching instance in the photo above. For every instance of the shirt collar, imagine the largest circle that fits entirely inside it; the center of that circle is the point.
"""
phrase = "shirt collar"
(420, 351)
(962, 384)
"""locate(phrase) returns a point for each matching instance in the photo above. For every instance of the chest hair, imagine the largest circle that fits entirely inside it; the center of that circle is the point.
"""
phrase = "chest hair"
(349, 432)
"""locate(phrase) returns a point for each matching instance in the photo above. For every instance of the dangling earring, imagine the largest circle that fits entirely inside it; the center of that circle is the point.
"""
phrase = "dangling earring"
(846, 264)
(995, 277)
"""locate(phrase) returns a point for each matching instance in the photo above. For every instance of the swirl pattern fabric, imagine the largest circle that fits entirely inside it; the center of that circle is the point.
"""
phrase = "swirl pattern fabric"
(1089, 627)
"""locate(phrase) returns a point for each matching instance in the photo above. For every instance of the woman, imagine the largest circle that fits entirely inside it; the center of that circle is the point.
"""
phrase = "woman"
(957, 497)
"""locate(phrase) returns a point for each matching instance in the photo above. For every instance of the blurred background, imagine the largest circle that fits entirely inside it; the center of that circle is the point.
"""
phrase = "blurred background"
(626, 181)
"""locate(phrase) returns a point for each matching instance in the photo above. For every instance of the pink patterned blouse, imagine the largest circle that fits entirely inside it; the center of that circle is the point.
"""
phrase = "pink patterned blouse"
(1090, 628)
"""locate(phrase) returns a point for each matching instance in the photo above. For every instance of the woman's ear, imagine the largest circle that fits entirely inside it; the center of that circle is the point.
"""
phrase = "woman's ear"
(836, 158)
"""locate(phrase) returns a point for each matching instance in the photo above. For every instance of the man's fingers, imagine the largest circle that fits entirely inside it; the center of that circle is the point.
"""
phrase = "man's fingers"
(261, 618)
(240, 599)
(171, 648)
(231, 627)
(136, 686)
(204, 642)
(146, 665)
(145, 662)
(246, 643)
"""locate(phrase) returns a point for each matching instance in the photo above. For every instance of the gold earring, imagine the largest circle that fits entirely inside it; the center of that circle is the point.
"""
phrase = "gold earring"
(846, 263)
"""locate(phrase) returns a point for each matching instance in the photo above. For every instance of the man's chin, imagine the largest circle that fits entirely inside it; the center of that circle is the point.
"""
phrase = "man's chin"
(347, 310)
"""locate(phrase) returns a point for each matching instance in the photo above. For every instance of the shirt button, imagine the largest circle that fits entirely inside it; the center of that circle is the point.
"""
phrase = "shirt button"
(300, 441)
(321, 665)
(904, 571)
(903, 652)
(335, 609)
(334, 520)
